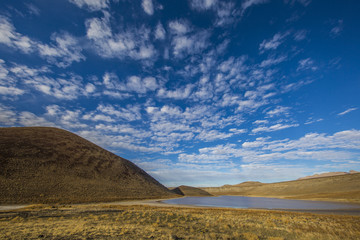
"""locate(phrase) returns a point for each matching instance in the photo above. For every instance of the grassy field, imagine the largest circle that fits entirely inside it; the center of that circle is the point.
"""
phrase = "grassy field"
(143, 222)
(343, 188)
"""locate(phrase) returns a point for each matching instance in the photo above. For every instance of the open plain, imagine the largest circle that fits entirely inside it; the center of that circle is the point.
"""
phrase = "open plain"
(94, 221)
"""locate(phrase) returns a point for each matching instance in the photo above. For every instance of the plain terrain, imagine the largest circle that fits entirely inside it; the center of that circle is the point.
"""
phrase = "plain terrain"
(342, 188)
(145, 222)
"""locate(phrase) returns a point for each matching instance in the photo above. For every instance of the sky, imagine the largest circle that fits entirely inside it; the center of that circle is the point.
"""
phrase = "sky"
(195, 92)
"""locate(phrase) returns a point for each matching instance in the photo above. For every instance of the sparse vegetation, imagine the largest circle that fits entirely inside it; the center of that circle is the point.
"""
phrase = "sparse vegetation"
(143, 222)
(190, 191)
(46, 165)
(342, 188)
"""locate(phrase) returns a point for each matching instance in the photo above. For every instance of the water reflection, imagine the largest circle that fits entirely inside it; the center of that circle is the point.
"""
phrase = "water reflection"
(260, 202)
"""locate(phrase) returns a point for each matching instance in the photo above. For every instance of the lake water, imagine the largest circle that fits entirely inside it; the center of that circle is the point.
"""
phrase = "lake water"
(260, 202)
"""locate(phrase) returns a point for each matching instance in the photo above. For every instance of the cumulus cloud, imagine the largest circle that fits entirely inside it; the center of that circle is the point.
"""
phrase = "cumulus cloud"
(306, 64)
(128, 113)
(29, 119)
(66, 50)
(133, 43)
(68, 88)
(201, 5)
(212, 135)
(160, 32)
(63, 52)
(91, 5)
(148, 7)
(272, 61)
(313, 146)
(12, 91)
(8, 116)
(279, 110)
(187, 41)
(180, 93)
(11, 38)
(273, 43)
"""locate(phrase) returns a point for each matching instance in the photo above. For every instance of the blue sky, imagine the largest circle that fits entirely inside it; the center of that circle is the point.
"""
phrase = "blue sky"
(196, 92)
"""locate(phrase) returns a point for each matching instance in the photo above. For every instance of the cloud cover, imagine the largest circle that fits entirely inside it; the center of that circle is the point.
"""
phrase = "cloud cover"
(188, 88)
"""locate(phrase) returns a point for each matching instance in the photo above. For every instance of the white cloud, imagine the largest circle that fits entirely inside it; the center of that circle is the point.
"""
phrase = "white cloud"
(128, 113)
(66, 51)
(69, 87)
(261, 122)
(29, 119)
(13, 39)
(237, 131)
(273, 43)
(134, 42)
(300, 35)
(185, 40)
(213, 135)
(136, 84)
(201, 5)
(248, 3)
(306, 64)
(98, 117)
(92, 5)
(180, 93)
(32, 9)
(183, 45)
(90, 88)
(346, 111)
(273, 61)
(338, 28)
(314, 147)
(226, 13)
(160, 32)
(179, 27)
(148, 7)
(273, 128)
(349, 139)
(312, 120)
(7, 116)
(12, 91)
(279, 110)
(305, 3)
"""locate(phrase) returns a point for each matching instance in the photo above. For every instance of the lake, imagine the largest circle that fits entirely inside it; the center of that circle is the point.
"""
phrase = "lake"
(261, 203)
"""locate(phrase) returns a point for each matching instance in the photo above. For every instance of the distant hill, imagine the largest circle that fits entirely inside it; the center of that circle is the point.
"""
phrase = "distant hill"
(345, 187)
(47, 165)
(329, 174)
(190, 191)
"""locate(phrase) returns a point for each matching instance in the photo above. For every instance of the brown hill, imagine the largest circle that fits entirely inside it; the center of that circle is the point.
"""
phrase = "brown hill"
(328, 174)
(40, 165)
(190, 191)
(334, 188)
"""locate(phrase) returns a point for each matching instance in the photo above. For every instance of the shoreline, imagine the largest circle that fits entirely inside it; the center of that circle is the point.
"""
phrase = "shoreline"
(159, 203)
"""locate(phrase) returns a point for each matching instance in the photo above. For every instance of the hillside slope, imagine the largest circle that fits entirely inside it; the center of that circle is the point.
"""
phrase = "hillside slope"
(40, 165)
(345, 188)
(190, 191)
(328, 174)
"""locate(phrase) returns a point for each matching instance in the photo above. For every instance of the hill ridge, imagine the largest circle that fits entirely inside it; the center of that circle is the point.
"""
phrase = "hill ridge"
(42, 164)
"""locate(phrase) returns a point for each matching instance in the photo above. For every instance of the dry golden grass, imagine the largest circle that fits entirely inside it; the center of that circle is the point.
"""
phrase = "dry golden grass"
(343, 188)
(143, 222)
(190, 191)
(50, 165)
